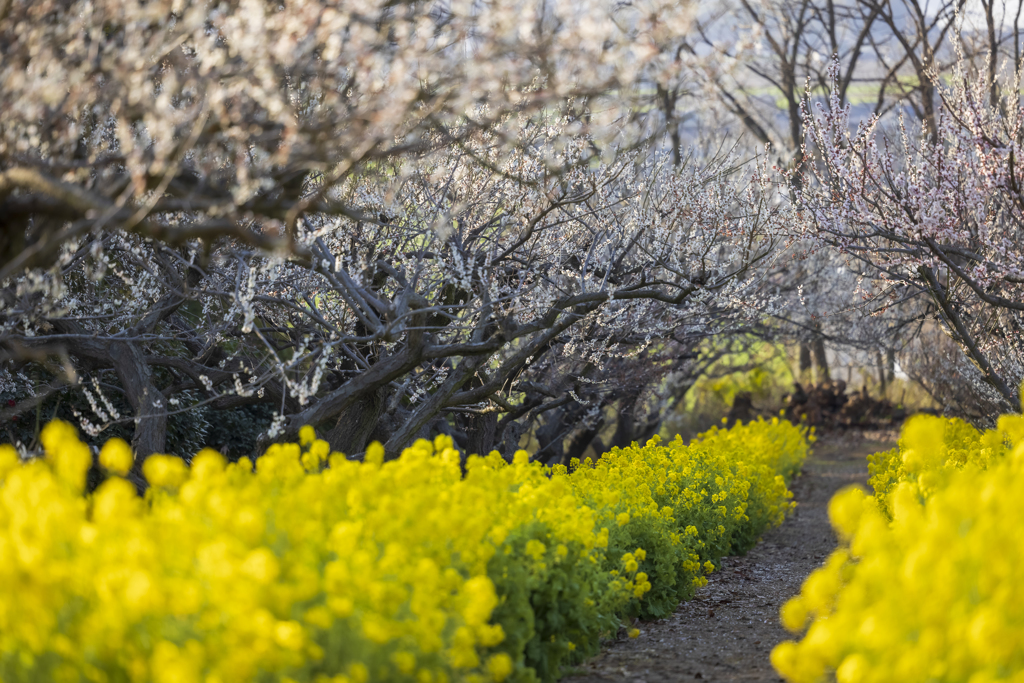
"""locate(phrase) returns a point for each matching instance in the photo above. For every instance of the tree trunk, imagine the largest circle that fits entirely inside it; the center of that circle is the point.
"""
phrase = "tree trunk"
(820, 360)
(550, 436)
(805, 362)
(145, 398)
(880, 365)
(583, 440)
(628, 429)
(129, 362)
(558, 425)
(353, 426)
(480, 432)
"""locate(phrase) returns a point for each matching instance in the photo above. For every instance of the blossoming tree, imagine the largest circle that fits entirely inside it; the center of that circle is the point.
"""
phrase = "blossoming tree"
(935, 219)
(382, 220)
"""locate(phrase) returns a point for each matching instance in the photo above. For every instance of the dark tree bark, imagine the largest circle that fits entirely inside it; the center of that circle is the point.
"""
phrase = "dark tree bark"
(880, 367)
(805, 361)
(354, 425)
(480, 430)
(820, 359)
(145, 398)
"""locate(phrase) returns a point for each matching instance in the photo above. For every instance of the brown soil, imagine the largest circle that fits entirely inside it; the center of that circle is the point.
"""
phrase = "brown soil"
(728, 630)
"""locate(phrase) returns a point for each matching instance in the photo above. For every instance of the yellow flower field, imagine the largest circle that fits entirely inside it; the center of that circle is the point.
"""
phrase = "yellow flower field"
(927, 584)
(306, 566)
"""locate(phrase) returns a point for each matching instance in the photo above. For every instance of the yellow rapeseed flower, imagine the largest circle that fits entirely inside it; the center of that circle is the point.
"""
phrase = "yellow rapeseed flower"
(500, 666)
(230, 572)
(165, 471)
(116, 456)
(925, 585)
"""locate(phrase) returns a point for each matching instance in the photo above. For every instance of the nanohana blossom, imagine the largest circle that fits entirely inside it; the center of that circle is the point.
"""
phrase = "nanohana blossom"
(307, 566)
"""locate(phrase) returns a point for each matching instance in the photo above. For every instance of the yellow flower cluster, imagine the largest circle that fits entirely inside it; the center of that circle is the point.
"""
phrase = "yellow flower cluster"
(306, 566)
(689, 505)
(927, 582)
(931, 449)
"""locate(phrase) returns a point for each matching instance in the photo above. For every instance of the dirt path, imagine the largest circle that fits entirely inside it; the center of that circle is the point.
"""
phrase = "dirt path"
(728, 630)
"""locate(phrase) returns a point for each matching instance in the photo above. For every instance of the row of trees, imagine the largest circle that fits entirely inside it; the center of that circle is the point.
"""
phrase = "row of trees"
(935, 84)
(500, 220)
